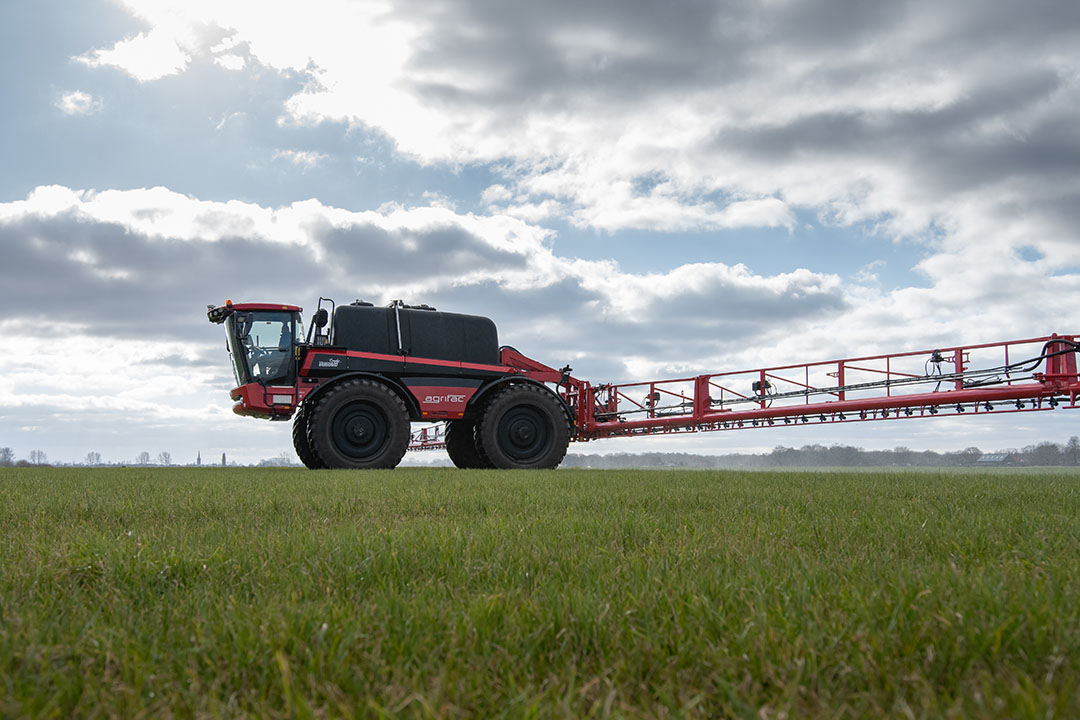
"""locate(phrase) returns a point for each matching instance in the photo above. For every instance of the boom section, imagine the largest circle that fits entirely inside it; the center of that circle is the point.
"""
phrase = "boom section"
(1015, 376)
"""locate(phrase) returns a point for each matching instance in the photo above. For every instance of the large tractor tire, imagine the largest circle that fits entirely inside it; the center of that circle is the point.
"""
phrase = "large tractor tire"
(301, 440)
(359, 424)
(461, 445)
(523, 427)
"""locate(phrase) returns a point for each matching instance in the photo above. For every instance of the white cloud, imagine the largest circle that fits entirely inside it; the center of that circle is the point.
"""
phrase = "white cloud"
(439, 200)
(496, 193)
(78, 102)
(229, 118)
(147, 56)
(303, 159)
(230, 61)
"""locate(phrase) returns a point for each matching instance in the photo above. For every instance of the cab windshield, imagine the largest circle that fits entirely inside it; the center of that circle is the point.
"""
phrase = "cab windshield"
(261, 346)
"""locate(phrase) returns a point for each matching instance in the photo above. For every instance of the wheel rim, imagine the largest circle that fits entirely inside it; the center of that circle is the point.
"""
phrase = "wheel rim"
(524, 434)
(360, 431)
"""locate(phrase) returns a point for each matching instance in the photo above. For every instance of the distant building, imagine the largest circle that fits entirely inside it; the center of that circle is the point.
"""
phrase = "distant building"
(222, 459)
(198, 460)
(996, 460)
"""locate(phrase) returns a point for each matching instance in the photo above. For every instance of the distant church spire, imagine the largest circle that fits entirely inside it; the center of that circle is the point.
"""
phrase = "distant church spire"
(198, 460)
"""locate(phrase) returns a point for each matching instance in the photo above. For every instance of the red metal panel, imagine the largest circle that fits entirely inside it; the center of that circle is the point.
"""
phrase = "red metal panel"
(442, 401)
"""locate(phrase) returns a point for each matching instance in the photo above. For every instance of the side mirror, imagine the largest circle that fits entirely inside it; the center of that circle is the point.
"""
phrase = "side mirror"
(321, 318)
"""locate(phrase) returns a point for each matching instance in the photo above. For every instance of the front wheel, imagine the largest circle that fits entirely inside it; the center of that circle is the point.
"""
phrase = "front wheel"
(524, 427)
(359, 424)
(302, 442)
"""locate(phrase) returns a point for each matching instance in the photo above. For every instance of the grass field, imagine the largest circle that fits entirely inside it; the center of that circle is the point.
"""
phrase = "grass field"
(287, 593)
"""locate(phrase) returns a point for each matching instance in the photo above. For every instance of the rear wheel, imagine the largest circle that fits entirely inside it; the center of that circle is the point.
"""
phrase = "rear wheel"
(359, 424)
(461, 445)
(301, 441)
(523, 427)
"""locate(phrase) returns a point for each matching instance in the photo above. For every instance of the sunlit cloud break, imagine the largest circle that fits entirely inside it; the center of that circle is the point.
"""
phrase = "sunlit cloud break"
(78, 102)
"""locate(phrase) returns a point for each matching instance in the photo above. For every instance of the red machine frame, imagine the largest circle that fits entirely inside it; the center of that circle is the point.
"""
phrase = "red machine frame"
(965, 379)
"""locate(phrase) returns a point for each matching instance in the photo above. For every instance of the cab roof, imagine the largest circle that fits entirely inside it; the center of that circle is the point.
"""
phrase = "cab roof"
(245, 307)
(219, 313)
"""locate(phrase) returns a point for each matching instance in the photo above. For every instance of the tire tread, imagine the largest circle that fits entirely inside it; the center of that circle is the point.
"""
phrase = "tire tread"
(487, 433)
(326, 404)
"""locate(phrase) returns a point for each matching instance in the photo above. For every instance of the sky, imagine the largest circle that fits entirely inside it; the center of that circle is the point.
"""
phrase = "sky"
(639, 189)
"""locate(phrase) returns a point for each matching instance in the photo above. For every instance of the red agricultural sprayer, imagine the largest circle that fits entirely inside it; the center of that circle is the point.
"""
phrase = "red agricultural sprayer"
(363, 374)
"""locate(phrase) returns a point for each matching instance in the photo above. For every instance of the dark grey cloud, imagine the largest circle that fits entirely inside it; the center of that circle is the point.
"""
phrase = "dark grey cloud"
(826, 25)
(916, 137)
(136, 287)
(937, 100)
(544, 55)
(609, 49)
(118, 281)
(404, 255)
(995, 25)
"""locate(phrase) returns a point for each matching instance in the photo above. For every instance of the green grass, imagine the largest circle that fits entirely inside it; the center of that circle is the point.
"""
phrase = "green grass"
(176, 592)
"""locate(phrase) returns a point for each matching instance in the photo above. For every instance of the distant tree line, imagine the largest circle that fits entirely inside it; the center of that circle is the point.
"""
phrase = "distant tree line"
(36, 457)
(1043, 454)
(92, 459)
(163, 459)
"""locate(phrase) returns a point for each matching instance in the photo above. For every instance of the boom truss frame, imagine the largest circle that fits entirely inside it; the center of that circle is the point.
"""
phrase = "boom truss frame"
(1029, 375)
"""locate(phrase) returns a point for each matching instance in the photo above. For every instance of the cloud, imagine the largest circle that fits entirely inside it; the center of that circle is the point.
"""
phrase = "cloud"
(303, 159)
(112, 286)
(613, 115)
(147, 56)
(230, 61)
(106, 261)
(113, 256)
(78, 102)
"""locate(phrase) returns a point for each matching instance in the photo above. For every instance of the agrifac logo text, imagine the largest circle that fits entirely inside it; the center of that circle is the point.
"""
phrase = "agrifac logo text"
(439, 399)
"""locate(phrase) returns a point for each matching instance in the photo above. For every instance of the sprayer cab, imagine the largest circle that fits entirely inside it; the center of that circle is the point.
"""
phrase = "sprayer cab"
(263, 341)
